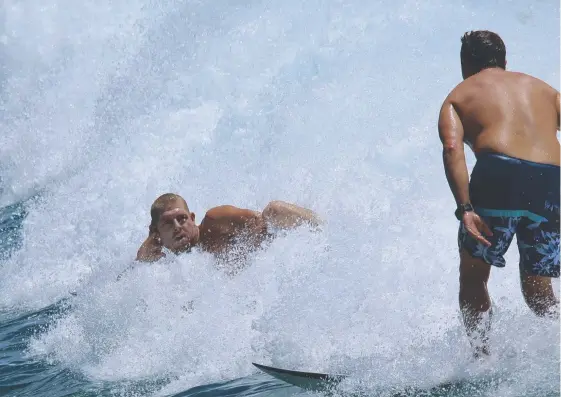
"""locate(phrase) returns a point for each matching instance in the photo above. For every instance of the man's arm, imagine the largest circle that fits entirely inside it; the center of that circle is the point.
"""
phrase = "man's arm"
(151, 249)
(283, 215)
(451, 133)
(226, 221)
(221, 225)
(558, 117)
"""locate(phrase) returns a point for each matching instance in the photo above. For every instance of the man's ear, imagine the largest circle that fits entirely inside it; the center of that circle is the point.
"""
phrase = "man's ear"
(155, 234)
(193, 216)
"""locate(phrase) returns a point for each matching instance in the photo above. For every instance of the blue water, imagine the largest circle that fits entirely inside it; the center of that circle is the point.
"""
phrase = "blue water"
(329, 104)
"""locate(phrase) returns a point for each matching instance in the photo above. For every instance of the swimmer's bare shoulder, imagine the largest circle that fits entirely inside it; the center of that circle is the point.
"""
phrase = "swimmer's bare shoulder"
(229, 215)
(223, 223)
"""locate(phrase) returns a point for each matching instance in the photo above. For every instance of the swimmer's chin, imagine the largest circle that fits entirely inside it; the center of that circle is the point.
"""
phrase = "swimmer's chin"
(182, 246)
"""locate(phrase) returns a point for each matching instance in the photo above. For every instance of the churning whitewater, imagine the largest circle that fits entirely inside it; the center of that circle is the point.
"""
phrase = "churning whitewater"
(328, 104)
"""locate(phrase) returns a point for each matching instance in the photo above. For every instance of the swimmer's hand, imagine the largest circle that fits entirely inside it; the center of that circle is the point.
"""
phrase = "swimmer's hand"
(476, 227)
(151, 249)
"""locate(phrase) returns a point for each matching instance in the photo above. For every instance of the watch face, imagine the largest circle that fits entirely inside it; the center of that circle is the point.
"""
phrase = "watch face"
(462, 208)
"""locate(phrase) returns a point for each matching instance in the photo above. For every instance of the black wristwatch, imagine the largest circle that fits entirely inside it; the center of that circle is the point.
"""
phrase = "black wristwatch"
(462, 208)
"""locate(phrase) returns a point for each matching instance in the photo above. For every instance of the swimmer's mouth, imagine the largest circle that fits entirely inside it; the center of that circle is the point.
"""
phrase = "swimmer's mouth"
(180, 238)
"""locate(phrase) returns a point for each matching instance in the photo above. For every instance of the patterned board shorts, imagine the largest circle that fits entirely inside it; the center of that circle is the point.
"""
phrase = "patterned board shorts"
(516, 198)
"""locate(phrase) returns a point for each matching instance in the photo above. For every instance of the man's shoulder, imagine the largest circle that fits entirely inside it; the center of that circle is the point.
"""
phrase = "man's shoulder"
(522, 78)
(534, 84)
(521, 75)
(467, 88)
(456, 92)
(230, 212)
(450, 100)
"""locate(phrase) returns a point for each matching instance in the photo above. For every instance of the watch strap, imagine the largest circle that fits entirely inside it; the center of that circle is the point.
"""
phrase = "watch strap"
(463, 208)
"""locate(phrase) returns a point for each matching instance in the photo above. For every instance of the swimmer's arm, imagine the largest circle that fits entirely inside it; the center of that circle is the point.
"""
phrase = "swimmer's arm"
(451, 132)
(283, 215)
(277, 214)
(150, 250)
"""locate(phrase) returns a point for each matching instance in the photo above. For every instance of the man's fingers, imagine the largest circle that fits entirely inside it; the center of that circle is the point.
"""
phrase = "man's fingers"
(486, 228)
(483, 240)
(474, 232)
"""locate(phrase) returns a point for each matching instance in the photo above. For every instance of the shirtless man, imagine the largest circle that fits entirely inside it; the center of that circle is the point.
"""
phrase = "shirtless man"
(223, 228)
(510, 121)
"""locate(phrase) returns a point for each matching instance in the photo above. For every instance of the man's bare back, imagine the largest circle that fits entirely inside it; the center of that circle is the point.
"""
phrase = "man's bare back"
(510, 113)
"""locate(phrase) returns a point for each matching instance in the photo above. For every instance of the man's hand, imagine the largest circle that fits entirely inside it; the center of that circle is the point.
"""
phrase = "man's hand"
(151, 249)
(476, 226)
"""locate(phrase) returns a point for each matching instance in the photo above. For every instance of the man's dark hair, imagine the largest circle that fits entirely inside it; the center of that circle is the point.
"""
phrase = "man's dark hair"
(483, 49)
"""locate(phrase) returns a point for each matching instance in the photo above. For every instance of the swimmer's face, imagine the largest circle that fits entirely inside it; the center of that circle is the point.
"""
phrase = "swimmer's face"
(176, 227)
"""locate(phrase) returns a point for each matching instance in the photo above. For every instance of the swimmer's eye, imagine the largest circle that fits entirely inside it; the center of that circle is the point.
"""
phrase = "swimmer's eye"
(167, 223)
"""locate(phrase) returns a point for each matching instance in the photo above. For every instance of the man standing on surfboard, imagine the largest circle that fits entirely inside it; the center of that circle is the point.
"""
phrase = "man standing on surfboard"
(226, 231)
(510, 121)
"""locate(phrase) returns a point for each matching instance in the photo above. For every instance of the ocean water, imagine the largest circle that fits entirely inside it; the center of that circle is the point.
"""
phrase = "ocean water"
(329, 104)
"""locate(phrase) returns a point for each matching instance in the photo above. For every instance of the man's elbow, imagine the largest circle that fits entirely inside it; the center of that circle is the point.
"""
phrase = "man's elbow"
(145, 256)
(452, 146)
(142, 257)
(452, 149)
(452, 153)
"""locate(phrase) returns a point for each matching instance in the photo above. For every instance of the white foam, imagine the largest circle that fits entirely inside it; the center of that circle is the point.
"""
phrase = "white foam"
(327, 104)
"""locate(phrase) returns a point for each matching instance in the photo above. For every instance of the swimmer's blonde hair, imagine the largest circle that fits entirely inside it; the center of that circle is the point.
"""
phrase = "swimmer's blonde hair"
(159, 206)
